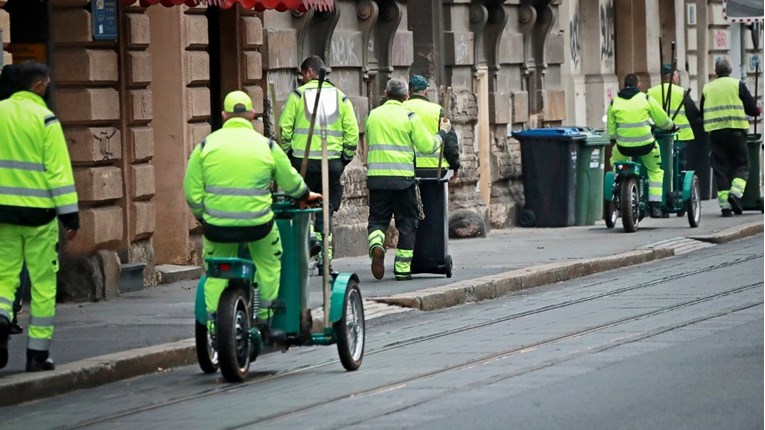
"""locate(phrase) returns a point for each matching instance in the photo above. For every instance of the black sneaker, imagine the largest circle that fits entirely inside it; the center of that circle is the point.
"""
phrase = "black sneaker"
(735, 204)
(5, 330)
(314, 246)
(656, 211)
(403, 277)
(727, 213)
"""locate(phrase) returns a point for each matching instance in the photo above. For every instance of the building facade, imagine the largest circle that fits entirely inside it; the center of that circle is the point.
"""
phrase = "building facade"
(137, 84)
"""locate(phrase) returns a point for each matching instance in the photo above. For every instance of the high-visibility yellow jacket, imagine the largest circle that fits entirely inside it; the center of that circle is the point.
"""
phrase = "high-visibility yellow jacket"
(723, 108)
(393, 133)
(628, 117)
(430, 113)
(36, 179)
(684, 131)
(227, 182)
(342, 128)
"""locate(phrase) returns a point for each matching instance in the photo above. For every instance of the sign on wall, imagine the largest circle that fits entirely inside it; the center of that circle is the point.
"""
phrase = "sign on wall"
(104, 19)
(743, 10)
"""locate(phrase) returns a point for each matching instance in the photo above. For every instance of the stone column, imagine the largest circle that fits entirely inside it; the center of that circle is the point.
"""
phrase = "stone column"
(180, 75)
(5, 28)
(599, 62)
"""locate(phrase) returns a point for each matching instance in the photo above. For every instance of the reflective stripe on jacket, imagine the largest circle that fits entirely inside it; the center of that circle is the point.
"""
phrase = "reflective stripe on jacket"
(722, 106)
(35, 169)
(628, 120)
(228, 178)
(684, 131)
(430, 114)
(295, 122)
(393, 133)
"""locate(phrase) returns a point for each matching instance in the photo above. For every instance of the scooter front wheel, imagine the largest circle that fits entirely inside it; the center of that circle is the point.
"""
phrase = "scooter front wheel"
(207, 355)
(610, 212)
(233, 334)
(693, 204)
(350, 329)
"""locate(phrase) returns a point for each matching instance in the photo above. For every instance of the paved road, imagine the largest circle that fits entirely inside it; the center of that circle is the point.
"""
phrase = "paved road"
(672, 344)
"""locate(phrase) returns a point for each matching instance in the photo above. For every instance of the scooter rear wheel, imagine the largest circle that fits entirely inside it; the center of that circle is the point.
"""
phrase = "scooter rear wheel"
(630, 205)
(233, 334)
(610, 212)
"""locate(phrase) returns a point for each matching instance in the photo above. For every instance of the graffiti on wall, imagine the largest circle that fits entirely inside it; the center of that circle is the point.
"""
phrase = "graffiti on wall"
(575, 38)
(344, 49)
(607, 39)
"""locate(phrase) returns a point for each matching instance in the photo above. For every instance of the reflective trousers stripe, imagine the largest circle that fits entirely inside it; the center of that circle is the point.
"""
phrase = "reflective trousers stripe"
(737, 187)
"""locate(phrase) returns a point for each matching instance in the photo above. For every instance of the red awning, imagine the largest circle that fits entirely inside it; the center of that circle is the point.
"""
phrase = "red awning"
(258, 5)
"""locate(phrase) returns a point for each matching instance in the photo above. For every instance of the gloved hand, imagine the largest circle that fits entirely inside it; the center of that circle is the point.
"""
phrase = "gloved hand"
(313, 200)
(445, 125)
(346, 160)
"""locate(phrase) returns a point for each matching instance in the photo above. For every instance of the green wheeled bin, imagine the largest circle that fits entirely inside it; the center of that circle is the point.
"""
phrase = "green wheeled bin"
(752, 199)
(589, 177)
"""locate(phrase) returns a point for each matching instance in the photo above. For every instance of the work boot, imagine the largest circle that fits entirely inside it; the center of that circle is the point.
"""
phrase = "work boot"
(378, 262)
(407, 277)
(38, 361)
(656, 210)
(735, 204)
(5, 330)
(727, 213)
(269, 334)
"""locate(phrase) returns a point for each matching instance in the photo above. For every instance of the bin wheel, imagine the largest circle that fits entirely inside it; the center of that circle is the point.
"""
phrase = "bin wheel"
(349, 330)
(630, 205)
(762, 207)
(233, 334)
(448, 266)
(207, 355)
(610, 213)
(693, 204)
(528, 218)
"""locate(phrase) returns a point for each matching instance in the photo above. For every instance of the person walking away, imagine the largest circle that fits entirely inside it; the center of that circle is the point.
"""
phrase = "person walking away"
(37, 186)
(684, 106)
(393, 133)
(725, 103)
(227, 186)
(628, 116)
(342, 138)
(431, 115)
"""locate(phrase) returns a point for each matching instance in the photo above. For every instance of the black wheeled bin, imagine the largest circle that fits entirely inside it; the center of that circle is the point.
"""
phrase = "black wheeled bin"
(431, 247)
(549, 161)
(752, 199)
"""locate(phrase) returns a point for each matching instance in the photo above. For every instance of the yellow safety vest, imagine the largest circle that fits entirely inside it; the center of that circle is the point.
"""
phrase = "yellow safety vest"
(430, 114)
(228, 178)
(684, 131)
(722, 106)
(628, 120)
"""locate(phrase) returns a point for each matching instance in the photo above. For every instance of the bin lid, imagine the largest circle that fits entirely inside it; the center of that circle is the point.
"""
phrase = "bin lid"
(567, 133)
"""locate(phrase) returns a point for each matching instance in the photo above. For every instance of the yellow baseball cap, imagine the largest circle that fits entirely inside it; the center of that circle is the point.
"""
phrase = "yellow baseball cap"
(237, 102)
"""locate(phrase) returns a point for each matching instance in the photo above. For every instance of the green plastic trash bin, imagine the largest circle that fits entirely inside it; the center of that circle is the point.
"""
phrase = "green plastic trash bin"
(752, 199)
(589, 177)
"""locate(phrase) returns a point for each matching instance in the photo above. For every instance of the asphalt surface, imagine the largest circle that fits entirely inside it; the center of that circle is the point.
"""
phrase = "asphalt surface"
(152, 330)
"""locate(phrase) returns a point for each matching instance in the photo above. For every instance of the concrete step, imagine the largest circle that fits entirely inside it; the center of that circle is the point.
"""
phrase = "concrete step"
(167, 273)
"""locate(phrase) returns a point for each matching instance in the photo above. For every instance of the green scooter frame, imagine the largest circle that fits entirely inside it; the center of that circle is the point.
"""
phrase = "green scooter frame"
(625, 190)
(237, 340)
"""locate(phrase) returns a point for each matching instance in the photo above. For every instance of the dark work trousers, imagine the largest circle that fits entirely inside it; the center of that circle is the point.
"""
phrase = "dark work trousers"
(402, 204)
(730, 156)
(313, 180)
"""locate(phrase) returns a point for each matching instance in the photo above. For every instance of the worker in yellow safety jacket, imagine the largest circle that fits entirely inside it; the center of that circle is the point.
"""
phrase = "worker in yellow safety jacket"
(342, 131)
(681, 103)
(725, 103)
(426, 165)
(628, 125)
(393, 133)
(228, 188)
(36, 188)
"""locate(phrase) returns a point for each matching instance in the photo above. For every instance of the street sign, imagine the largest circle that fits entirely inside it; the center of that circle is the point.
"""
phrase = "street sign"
(104, 19)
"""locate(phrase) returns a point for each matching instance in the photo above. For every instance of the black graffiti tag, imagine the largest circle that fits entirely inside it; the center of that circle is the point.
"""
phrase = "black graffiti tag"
(607, 30)
(575, 42)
